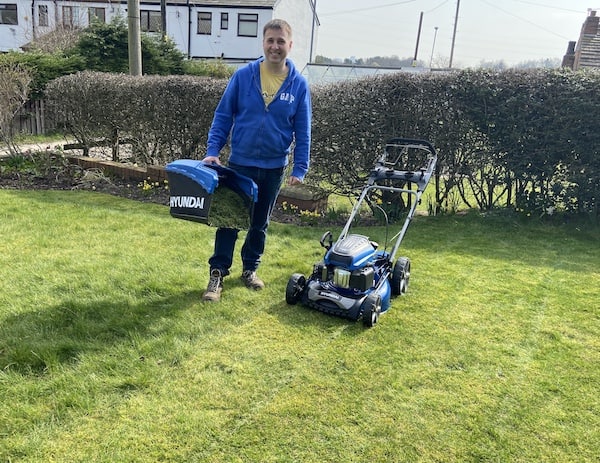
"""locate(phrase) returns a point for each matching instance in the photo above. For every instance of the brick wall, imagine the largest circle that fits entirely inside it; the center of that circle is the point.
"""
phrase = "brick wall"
(121, 170)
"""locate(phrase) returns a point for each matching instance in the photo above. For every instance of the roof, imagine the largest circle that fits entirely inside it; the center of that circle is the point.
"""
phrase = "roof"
(239, 3)
(266, 4)
(589, 53)
(223, 3)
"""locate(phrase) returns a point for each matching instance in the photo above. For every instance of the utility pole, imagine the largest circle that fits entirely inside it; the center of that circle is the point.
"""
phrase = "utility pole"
(433, 46)
(163, 19)
(134, 37)
(312, 32)
(414, 63)
(454, 34)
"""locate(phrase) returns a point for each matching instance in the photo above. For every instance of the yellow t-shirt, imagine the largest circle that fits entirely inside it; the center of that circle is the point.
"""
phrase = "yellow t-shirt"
(270, 83)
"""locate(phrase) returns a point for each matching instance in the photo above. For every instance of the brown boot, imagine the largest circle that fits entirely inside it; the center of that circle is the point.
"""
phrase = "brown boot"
(215, 286)
(251, 280)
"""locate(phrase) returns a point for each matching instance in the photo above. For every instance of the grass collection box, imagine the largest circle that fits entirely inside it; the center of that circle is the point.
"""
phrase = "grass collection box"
(210, 194)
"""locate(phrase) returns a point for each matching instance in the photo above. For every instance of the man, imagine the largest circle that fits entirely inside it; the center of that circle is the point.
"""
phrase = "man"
(267, 108)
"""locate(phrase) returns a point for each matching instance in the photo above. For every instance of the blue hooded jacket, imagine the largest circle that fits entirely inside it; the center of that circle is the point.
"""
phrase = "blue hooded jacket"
(262, 136)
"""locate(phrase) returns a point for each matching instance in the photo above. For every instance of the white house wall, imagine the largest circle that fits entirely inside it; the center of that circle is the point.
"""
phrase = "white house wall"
(13, 37)
(221, 43)
(300, 16)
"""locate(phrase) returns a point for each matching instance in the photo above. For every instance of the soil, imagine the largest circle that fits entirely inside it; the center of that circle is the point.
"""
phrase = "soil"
(81, 181)
(69, 177)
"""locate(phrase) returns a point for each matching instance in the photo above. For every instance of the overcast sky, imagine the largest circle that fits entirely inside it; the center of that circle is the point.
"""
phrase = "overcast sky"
(514, 31)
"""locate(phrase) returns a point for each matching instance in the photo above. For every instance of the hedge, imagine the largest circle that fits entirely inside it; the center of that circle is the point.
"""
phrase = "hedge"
(524, 139)
(164, 118)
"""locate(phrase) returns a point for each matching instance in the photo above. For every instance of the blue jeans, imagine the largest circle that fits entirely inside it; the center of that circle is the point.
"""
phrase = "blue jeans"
(268, 182)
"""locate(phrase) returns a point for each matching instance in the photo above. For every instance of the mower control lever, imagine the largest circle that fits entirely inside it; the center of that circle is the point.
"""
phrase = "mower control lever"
(326, 240)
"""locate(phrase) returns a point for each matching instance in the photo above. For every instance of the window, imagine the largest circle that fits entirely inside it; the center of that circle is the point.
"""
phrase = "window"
(150, 21)
(43, 15)
(204, 23)
(248, 25)
(97, 14)
(8, 13)
(224, 21)
(70, 16)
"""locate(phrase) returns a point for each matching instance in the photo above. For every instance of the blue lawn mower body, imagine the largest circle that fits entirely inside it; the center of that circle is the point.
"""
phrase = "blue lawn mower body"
(355, 279)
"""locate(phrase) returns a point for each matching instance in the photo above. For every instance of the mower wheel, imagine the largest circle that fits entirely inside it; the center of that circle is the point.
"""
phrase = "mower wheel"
(371, 310)
(295, 288)
(400, 276)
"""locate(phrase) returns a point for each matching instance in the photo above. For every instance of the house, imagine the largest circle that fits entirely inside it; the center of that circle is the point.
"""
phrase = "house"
(227, 29)
(585, 53)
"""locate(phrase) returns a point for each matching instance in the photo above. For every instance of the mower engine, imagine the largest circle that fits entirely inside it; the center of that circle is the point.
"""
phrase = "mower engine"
(351, 261)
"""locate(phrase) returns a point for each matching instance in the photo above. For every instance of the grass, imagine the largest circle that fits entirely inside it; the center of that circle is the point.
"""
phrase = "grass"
(25, 139)
(107, 353)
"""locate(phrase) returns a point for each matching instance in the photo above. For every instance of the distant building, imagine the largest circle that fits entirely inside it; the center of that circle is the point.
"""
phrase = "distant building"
(585, 53)
(227, 29)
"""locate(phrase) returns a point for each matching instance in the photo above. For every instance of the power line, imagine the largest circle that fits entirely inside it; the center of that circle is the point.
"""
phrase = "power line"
(357, 10)
(525, 20)
(436, 7)
(547, 6)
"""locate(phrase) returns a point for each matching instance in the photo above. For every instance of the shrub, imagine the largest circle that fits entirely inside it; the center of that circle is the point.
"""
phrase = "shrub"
(522, 139)
(42, 67)
(163, 117)
(525, 139)
(208, 68)
(14, 88)
(104, 48)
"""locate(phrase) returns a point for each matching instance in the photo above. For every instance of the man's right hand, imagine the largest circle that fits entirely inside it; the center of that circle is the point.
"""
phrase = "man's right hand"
(212, 160)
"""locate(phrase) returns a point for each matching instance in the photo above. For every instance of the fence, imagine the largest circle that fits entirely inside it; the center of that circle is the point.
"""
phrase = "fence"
(32, 119)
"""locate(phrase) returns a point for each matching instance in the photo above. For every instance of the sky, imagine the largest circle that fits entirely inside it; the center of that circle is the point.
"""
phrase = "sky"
(512, 31)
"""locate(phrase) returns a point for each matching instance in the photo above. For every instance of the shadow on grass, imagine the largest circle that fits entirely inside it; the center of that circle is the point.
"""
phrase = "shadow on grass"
(508, 239)
(306, 318)
(33, 342)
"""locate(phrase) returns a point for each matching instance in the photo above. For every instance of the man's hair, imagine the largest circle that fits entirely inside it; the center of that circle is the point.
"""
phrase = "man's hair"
(279, 24)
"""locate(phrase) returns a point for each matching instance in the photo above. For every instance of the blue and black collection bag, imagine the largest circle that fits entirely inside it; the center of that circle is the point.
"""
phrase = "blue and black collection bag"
(210, 194)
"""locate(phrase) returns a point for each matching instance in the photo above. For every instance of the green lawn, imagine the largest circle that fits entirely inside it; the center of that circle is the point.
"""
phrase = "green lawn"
(107, 353)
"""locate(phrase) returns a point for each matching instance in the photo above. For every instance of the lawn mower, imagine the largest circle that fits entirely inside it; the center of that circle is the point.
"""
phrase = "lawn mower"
(355, 279)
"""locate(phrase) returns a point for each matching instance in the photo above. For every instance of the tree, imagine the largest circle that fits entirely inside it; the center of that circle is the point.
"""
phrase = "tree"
(320, 59)
(56, 41)
(14, 88)
(104, 47)
(42, 67)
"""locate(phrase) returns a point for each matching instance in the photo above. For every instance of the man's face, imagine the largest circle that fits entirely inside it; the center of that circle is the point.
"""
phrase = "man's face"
(276, 45)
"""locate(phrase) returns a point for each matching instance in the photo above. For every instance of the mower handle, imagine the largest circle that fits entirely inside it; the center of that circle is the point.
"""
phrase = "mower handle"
(411, 141)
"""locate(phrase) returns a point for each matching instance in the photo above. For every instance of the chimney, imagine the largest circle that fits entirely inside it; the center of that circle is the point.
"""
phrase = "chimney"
(569, 58)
